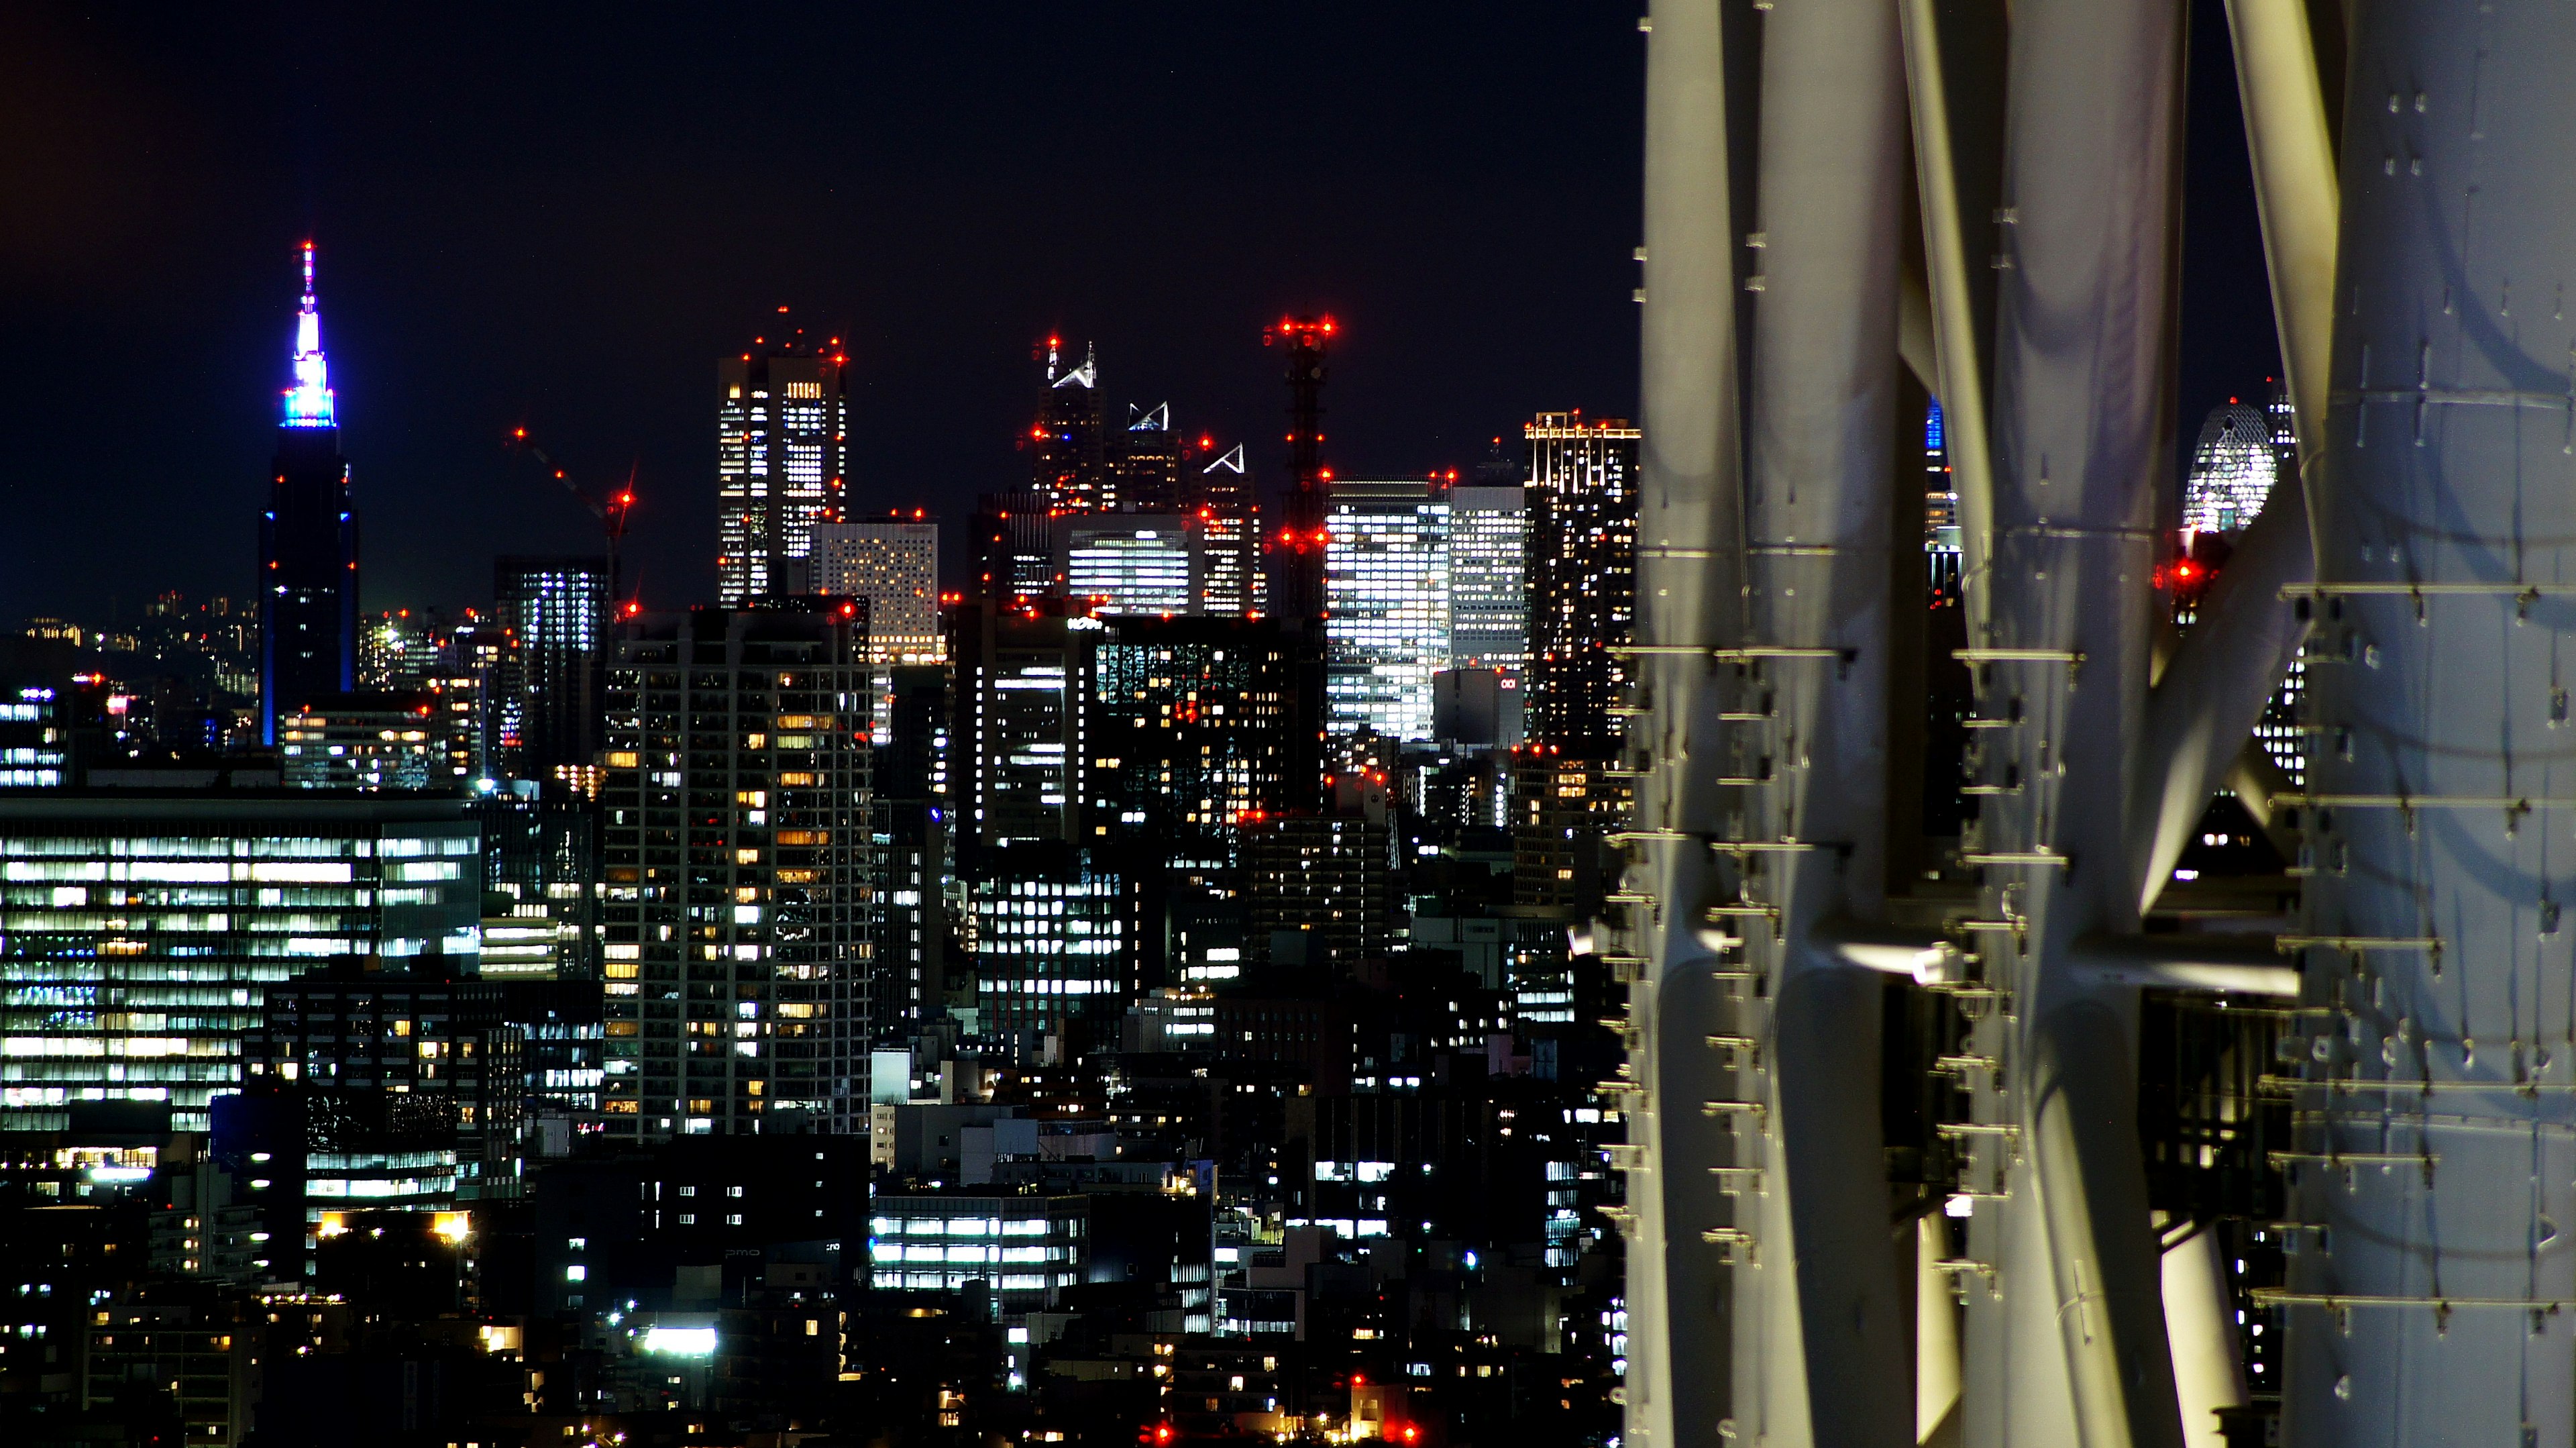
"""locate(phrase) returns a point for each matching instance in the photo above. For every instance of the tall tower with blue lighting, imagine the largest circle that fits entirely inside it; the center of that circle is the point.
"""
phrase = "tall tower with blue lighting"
(308, 542)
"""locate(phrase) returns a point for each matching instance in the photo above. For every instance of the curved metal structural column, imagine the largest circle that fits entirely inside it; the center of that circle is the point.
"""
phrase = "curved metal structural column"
(2066, 1341)
(2432, 1288)
(1820, 1296)
(1689, 540)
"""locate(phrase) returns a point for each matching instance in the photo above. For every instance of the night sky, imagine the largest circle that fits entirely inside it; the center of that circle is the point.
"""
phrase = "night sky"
(560, 216)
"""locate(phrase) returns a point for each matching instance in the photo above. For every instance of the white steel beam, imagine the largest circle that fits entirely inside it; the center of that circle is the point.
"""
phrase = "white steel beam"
(1689, 538)
(2066, 1340)
(1821, 1311)
(2432, 1289)
(2208, 701)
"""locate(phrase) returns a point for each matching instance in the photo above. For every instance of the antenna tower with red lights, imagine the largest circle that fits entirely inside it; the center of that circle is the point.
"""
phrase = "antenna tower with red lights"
(1297, 590)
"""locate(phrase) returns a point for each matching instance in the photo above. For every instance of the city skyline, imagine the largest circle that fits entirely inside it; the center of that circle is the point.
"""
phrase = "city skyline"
(1334, 719)
(454, 331)
(450, 326)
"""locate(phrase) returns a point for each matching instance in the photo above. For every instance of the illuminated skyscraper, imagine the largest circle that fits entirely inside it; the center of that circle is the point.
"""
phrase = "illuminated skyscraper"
(1014, 550)
(559, 610)
(1023, 686)
(1231, 518)
(782, 457)
(2233, 467)
(739, 870)
(1582, 574)
(1488, 578)
(1071, 466)
(402, 649)
(308, 542)
(894, 565)
(1386, 594)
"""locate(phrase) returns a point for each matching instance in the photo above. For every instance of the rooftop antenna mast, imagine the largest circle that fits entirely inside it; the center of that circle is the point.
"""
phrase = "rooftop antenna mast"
(1301, 538)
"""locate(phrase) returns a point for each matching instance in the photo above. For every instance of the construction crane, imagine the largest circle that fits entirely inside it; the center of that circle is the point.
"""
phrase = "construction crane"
(610, 509)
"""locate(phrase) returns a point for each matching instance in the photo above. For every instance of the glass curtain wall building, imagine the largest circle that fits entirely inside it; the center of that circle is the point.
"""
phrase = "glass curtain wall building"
(141, 932)
(1049, 941)
(1386, 598)
(2233, 467)
(1488, 578)
(1189, 718)
(1130, 564)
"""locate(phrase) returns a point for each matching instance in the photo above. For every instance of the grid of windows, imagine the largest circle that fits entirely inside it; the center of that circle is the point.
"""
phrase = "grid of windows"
(739, 871)
(558, 609)
(1188, 718)
(1134, 565)
(1024, 1247)
(781, 436)
(1488, 590)
(1022, 684)
(1049, 940)
(138, 936)
(2233, 467)
(1386, 597)
(895, 567)
(1582, 574)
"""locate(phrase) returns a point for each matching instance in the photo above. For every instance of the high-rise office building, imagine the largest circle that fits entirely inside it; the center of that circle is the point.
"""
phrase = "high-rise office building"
(1230, 521)
(373, 741)
(1488, 578)
(2233, 466)
(1146, 461)
(540, 881)
(737, 855)
(1187, 736)
(308, 541)
(782, 437)
(1121, 564)
(414, 1083)
(1021, 736)
(485, 694)
(914, 809)
(1050, 943)
(1015, 561)
(559, 609)
(893, 563)
(1070, 467)
(1386, 591)
(1563, 803)
(147, 924)
(1582, 575)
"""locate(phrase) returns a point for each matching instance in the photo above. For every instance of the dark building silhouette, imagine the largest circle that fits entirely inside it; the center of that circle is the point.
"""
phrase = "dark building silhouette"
(1071, 467)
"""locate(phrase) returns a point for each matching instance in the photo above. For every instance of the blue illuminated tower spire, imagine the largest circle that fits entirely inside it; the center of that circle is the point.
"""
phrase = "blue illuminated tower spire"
(308, 543)
(308, 402)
